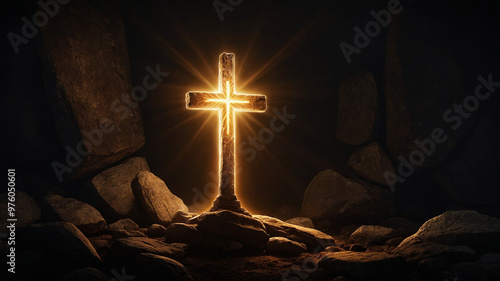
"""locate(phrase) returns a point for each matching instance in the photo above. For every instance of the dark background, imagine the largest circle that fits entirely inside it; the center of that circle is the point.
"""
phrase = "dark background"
(287, 50)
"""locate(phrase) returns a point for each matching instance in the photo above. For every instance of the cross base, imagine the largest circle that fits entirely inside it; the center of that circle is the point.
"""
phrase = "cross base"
(228, 202)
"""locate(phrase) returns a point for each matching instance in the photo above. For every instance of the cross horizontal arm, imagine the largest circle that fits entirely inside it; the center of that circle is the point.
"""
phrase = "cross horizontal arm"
(254, 103)
(202, 100)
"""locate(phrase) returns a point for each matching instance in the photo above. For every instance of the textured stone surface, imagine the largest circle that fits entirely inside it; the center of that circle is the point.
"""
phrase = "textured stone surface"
(300, 221)
(364, 266)
(155, 230)
(371, 162)
(183, 233)
(373, 235)
(61, 243)
(153, 267)
(123, 224)
(88, 71)
(126, 249)
(332, 196)
(314, 239)
(470, 228)
(357, 108)
(81, 214)
(112, 192)
(156, 199)
(280, 246)
(234, 226)
(27, 210)
(415, 253)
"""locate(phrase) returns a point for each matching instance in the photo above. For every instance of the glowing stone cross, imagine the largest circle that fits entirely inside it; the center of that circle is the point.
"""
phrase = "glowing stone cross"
(227, 102)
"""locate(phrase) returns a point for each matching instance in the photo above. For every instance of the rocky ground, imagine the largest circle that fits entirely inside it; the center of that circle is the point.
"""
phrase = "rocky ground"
(131, 227)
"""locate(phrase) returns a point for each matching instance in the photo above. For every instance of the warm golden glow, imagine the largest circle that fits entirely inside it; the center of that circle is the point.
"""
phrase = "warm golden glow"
(227, 102)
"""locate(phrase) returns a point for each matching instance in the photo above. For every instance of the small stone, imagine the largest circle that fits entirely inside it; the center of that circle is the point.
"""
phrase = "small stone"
(156, 230)
(281, 246)
(333, 249)
(123, 224)
(86, 274)
(27, 210)
(372, 235)
(357, 248)
(82, 215)
(305, 222)
(112, 191)
(314, 239)
(156, 199)
(183, 233)
(153, 267)
(233, 226)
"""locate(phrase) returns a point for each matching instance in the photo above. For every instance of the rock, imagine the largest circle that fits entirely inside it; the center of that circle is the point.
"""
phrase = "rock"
(181, 246)
(86, 274)
(82, 215)
(183, 233)
(155, 230)
(414, 253)
(373, 235)
(112, 192)
(314, 239)
(417, 97)
(60, 242)
(333, 249)
(123, 224)
(478, 231)
(233, 226)
(364, 266)
(371, 163)
(117, 234)
(332, 196)
(471, 271)
(280, 246)
(213, 244)
(357, 108)
(153, 267)
(125, 250)
(87, 72)
(156, 199)
(181, 217)
(27, 210)
(102, 243)
(357, 248)
(300, 221)
(403, 225)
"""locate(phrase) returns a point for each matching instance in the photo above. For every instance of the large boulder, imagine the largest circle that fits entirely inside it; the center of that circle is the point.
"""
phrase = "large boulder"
(415, 253)
(27, 211)
(183, 233)
(339, 199)
(111, 190)
(362, 266)
(234, 226)
(60, 243)
(87, 72)
(466, 227)
(158, 202)
(357, 108)
(314, 239)
(81, 214)
(301, 221)
(153, 267)
(371, 163)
